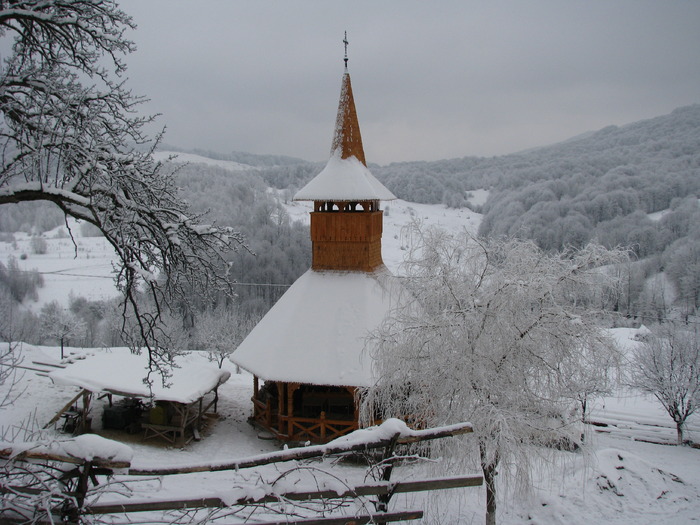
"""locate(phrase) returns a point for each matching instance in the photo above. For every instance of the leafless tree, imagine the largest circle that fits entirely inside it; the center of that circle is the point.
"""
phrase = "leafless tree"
(667, 366)
(220, 331)
(71, 135)
(61, 325)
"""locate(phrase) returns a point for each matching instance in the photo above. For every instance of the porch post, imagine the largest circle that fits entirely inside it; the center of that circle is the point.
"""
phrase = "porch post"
(280, 407)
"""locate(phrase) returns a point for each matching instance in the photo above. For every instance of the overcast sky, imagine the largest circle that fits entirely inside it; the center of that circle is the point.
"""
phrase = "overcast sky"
(431, 80)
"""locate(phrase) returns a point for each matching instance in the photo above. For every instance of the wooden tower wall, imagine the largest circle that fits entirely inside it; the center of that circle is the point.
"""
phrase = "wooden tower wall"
(346, 240)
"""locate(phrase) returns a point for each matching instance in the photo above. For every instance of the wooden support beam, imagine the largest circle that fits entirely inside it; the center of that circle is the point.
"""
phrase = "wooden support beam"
(281, 409)
(83, 424)
(68, 405)
(406, 515)
(45, 363)
(7, 453)
(290, 407)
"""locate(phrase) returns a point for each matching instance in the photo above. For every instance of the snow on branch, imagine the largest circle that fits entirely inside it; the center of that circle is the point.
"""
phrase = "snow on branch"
(364, 439)
(84, 148)
(80, 449)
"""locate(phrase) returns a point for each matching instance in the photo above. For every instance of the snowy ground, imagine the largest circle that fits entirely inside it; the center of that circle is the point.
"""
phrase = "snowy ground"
(625, 481)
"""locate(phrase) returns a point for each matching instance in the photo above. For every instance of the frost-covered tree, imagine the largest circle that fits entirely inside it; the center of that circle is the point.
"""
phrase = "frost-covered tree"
(495, 333)
(220, 330)
(70, 134)
(59, 324)
(667, 366)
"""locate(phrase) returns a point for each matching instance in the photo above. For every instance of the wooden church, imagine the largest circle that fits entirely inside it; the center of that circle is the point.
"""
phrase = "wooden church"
(309, 354)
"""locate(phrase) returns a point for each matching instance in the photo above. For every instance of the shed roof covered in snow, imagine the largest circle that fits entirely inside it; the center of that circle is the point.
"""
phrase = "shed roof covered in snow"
(120, 372)
(345, 177)
(317, 332)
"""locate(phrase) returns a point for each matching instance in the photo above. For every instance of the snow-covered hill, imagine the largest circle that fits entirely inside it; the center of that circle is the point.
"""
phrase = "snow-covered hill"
(192, 158)
(87, 270)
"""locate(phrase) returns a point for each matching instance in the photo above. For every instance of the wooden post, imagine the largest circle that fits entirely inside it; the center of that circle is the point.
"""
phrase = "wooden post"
(183, 425)
(355, 406)
(76, 484)
(382, 504)
(323, 425)
(291, 387)
(280, 408)
(83, 423)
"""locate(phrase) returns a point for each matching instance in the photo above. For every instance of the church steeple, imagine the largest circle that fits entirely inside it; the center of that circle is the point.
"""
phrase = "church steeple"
(347, 141)
(346, 177)
(346, 224)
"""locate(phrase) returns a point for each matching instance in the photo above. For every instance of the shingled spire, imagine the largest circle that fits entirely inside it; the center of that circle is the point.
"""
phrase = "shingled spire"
(346, 177)
(347, 140)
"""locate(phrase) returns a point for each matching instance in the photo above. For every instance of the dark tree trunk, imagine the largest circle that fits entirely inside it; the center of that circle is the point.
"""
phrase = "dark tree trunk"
(489, 470)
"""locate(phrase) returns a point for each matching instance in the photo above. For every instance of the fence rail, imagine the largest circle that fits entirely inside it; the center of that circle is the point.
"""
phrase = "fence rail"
(77, 480)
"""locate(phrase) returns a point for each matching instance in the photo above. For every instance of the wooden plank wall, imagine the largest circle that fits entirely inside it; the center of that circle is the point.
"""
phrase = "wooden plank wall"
(346, 240)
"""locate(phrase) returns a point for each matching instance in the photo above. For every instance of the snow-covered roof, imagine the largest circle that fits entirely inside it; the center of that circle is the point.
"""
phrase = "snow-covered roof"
(120, 372)
(317, 332)
(345, 177)
(344, 180)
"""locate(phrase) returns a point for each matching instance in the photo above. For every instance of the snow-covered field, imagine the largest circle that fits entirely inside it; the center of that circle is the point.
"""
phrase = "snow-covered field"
(83, 270)
(622, 480)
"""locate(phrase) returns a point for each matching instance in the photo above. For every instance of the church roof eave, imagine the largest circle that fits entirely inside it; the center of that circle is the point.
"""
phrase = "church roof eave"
(317, 332)
(344, 179)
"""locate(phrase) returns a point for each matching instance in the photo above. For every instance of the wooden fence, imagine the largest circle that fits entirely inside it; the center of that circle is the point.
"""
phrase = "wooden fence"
(78, 481)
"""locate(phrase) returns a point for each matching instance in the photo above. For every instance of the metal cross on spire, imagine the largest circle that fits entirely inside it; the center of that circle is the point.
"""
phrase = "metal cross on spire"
(345, 41)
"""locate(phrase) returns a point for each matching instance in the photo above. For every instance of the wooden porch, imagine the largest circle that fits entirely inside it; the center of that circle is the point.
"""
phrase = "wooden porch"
(301, 412)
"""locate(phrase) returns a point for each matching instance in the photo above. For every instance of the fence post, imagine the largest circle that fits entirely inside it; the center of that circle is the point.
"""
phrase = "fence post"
(382, 504)
(72, 507)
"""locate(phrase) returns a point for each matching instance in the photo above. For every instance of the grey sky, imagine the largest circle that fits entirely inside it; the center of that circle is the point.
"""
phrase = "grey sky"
(431, 80)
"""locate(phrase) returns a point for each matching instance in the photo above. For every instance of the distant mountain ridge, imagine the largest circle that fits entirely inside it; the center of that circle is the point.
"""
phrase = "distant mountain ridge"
(657, 141)
(587, 187)
(249, 159)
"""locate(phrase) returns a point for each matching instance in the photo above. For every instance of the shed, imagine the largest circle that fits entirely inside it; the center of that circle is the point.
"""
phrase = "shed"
(176, 409)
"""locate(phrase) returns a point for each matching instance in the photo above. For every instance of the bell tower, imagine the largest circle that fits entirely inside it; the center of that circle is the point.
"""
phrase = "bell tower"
(346, 222)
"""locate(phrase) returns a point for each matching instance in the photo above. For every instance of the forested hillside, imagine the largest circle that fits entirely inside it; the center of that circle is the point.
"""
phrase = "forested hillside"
(599, 186)
(635, 186)
(280, 250)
